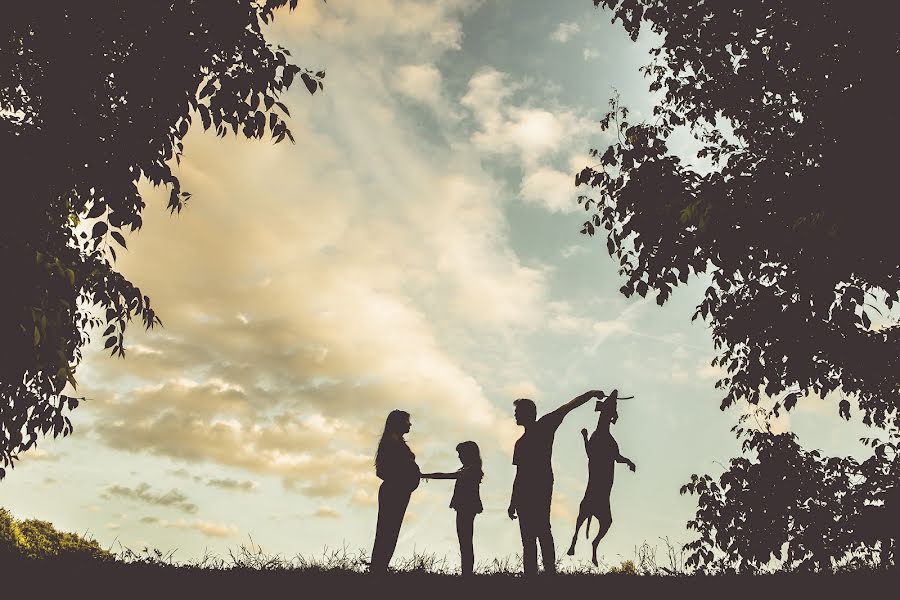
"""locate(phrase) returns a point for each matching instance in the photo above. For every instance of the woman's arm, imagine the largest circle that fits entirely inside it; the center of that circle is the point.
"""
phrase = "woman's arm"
(440, 475)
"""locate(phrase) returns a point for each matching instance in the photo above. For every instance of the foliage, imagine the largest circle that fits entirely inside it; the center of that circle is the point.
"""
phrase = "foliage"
(626, 568)
(789, 208)
(795, 509)
(93, 97)
(36, 539)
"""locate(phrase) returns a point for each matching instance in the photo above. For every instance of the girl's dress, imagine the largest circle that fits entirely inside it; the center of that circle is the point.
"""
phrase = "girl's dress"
(466, 495)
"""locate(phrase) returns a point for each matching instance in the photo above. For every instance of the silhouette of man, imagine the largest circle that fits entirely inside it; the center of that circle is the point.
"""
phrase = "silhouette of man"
(533, 485)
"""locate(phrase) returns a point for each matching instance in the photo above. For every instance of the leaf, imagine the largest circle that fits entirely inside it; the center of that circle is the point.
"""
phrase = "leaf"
(96, 210)
(309, 82)
(119, 238)
(204, 116)
(99, 230)
(37, 337)
(109, 343)
(789, 401)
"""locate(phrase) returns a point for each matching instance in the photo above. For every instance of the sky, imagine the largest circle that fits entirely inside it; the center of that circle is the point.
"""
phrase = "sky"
(418, 248)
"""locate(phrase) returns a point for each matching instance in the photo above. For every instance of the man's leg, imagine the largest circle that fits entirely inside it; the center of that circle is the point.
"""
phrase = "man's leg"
(545, 535)
(529, 542)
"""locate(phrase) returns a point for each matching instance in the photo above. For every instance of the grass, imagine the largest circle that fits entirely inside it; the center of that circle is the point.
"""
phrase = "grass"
(37, 561)
(248, 572)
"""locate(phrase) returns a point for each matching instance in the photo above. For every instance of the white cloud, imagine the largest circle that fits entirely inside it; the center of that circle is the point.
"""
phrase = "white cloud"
(564, 31)
(551, 189)
(420, 82)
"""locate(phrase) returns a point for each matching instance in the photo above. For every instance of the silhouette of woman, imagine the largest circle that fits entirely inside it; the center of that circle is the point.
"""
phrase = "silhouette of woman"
(466, 499)
(395, 465)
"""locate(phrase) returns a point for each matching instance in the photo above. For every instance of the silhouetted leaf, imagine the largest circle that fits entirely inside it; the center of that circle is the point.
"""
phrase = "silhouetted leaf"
(309, 82)
(99, 230)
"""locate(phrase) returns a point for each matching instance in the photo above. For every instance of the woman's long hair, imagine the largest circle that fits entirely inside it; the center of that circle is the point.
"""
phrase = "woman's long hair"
(393, 426)
(471, 456)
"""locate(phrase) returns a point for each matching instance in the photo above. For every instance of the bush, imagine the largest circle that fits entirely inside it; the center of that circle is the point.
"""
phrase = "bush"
(36, 539)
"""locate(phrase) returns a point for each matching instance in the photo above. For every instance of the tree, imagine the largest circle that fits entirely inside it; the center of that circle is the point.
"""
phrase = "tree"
(802, 510)
(794, 216)
(93, 97)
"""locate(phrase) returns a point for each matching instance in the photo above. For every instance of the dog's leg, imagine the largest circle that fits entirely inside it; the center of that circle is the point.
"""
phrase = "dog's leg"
(604, 528)
(582, 515)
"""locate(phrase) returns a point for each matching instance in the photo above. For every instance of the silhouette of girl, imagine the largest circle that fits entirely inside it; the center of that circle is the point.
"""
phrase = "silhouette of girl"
(395, 465)
(466, 499)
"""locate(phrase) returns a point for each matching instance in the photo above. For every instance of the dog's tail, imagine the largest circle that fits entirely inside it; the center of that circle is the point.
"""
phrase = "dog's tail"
(587, 533)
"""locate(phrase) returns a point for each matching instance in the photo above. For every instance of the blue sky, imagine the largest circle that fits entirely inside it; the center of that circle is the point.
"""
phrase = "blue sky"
(418, 248)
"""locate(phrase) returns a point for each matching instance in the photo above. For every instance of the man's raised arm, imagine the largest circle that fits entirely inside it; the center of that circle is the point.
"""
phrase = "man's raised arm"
(577, 401)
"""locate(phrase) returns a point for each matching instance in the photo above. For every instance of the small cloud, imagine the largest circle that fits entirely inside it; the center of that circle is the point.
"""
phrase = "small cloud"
(232, 485)
(150, 520)
(39, 455)
(143, 493)
(573, 250)
(364, 498)
(550, 189)
(421, 83)
(326, 512)
(564, 31)
(207, 528)
(590, 54)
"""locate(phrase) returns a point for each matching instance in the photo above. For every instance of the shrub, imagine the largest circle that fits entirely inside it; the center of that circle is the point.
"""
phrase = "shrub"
(36, 539)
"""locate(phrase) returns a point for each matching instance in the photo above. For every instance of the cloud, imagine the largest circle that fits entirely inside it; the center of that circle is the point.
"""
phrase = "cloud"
(591, 54)
(143, 493)
(564, 319)
(420, 82)
(326, 512)
(207, 528)
(573, 250)
(513, 120)
(551, 189)
(564, 31)
(232, 485)
(307, 290)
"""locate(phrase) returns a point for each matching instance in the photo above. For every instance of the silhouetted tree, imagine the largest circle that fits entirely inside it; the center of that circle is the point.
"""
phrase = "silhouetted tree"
(93, 97)
(793, 217)
(783, 506)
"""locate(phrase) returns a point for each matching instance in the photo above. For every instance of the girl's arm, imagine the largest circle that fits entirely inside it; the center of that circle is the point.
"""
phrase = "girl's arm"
(440, 475)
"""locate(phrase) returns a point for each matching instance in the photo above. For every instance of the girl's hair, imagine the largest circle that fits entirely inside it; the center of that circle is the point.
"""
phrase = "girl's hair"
(470, 456)
(393, 426)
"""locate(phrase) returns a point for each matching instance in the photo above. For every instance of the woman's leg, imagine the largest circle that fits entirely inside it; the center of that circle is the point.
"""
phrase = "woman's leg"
(392, 505)
(465, 530)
